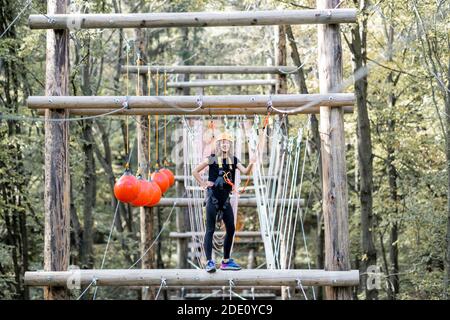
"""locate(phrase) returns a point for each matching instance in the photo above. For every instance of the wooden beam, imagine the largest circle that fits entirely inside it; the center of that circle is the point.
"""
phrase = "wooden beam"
(182, 213)
(243, 177)
(220, 83)
(57, 178)
(146, 215)
(172, 111)
(149, 277)
(209, 69)
(243, 202)
(332, 135)
(190, 19)
(241, 234)
(186, 102)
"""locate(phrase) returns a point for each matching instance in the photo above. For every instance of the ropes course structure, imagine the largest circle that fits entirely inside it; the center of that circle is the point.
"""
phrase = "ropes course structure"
(277, 211)
(277, 200)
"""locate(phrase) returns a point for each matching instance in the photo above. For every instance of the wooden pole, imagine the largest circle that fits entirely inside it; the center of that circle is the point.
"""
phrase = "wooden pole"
(243, 202)
(210, 69)
(238, 234)
(191, 112)
(243, 177)
(57, 179)
(181, 221)
(332, 135)
(152, 277)
(191, 19)
(219, 101)
(220, 83)
(146, 214)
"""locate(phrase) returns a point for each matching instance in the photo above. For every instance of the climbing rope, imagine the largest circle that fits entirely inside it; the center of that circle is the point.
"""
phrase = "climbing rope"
(162, 285)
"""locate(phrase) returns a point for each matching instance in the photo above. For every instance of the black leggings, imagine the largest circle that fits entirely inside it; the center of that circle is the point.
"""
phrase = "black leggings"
(228, 219)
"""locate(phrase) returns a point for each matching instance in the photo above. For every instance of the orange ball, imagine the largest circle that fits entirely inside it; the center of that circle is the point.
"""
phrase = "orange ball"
(126, 189)
(145, 194)
(169, 174)
(161, 179)
(156, 194)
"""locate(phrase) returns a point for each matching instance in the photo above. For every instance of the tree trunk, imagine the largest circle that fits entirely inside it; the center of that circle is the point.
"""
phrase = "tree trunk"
(358, 47)
(313, 141)
(281, 59)
(447, 255)
(86, 250)
(394, 286)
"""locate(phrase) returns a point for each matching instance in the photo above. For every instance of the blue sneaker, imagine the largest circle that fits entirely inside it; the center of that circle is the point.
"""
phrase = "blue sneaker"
(210, 266)
(230, 265)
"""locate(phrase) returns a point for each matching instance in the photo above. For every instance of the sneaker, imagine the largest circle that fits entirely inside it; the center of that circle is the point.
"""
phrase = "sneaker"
(230, 265)
(210, 266)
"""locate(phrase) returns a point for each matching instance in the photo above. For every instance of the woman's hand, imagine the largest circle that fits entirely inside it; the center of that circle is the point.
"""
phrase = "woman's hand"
(206, 184)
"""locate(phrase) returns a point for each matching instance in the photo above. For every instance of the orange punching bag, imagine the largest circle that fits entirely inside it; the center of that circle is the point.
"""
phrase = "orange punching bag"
(169, 175)
(145, 194)
(156, 194)
(127, 188)
(161, 179)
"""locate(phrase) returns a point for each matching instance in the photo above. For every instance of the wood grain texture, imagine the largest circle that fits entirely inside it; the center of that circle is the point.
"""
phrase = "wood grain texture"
(138, 277)
(57, 180)
(204, 111)
(209, 69)
(219, 83)
(212, 101)
(335, 197)
(191, 19)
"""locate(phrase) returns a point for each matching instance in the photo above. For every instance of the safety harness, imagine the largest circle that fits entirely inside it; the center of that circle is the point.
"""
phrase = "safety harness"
(219, 183)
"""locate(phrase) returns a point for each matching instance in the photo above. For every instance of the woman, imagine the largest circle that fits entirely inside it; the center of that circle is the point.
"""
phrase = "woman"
(222, 167)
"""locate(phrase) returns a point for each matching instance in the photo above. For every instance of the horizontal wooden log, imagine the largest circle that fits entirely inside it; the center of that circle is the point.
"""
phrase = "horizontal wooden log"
(191, 19)
(206, 287)
(241, 234)
(243, 202)
(221, 83)
(210, 69)
(200, 112)
(243, 177)
(190, 102)
(149, 277)
(222, 296)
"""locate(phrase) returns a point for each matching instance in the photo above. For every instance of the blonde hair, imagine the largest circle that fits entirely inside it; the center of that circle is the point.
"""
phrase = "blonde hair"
(217, 150)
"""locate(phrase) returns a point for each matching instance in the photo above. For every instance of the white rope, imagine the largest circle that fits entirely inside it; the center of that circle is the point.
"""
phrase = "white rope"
(107, 243)
(156, 238)
(94, 281)
(15, 19)
(299, 285)
(162, 285)
(44, 119)
(231, 284)
(215, 292)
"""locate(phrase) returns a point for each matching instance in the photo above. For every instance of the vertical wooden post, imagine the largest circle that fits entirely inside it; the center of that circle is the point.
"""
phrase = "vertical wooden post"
(182, 243)
(181, 213)
(143, 139)
(335, 197)
(57, 180)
